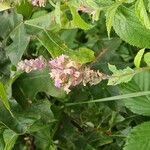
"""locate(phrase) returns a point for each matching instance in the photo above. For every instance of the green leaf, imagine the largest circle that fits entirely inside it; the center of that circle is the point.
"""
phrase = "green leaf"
(20, 42)
(84, 55)
(120, 76)
(32, 118)
(147, 58)
(110, 13)
(141, 13)
(4, 6)
(129, 29)
(38, 115)
(148, 6)
(138, 57)
(10, 138)
(11, 122)
(3, 97)
(43, 138)
(52, 43)
(139, 137)
(77, 21)
(139, 105)
(40, 23)
(28, 85)
(57, 47)
(25, 8)
(9, 22)
(2, 143)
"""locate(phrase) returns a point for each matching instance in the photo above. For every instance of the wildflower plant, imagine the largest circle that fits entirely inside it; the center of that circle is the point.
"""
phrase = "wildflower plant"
(74, 74)
(65, 72)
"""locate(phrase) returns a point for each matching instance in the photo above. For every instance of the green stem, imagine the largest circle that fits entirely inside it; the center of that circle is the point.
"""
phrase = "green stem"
(113, 98)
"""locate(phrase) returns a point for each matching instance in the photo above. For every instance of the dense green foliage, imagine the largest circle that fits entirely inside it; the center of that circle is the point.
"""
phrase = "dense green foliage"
(111, 36)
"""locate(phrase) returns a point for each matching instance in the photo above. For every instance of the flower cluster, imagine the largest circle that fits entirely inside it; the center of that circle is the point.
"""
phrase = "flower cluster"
(32, 64)
(92, 77)
(65, 72)
(40, 3)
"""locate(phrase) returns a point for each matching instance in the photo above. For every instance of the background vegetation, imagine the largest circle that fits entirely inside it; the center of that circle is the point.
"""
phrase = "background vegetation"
(112, 36)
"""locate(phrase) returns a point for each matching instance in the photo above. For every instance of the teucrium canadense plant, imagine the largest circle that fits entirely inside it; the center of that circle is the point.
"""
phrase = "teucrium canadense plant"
(74, 74)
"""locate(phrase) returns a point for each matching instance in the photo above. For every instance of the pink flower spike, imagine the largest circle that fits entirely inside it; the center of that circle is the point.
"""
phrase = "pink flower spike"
(32, 64)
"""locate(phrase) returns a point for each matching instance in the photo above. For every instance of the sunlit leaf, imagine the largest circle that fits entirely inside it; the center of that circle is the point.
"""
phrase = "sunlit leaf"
(78, 21)
(139, 105)
(138, 139)
(120, 76)
(138, 57)
(4, 6)
(129, 29)
(147, 58)
(141, 13)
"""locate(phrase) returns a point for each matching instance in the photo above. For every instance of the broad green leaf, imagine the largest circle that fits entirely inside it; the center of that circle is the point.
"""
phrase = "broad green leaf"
(120, 76)
(4, 6)
(3, 97)
(11, 122)
(8, 23)
(110, 13)
(20, 42)
(52, 43)
(28, 85)
(57, 47)
(39, 112)
(4, 24)
(77, 21)
(129, 29)
(43, 22)
(14, 27)
(139, 105)
(141, 13)
(31, 118)
(10, 138)
(139, 137)
(44, 139)
(147, 58)
(138, 57)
